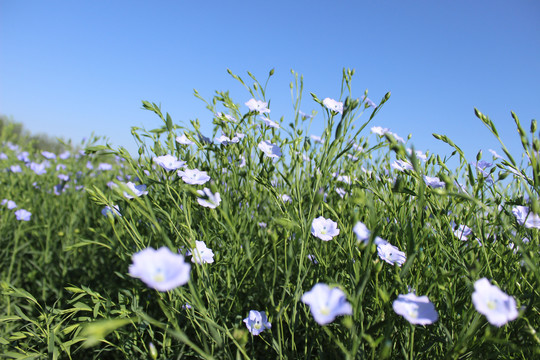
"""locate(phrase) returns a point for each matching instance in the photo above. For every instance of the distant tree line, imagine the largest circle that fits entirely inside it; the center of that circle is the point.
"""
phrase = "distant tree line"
(16, 133)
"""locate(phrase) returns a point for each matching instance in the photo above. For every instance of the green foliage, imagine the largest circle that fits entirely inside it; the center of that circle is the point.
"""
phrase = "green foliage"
(67, 292)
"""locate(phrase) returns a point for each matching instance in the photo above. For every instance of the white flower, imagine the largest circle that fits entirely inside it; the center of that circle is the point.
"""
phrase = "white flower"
(462, 232)
(362, 232)
(208, 199)
(525, 217)
(326, 303)
(333, 105)
(201, 254)
(498, 307)
(434, 181)
(324, 229)
(285, 198)
(226, 116)
(223, 140)
(169, 162)
(271, 150)
(269, 122)
(256, 322)
(138, 190)
(390, 253)
(341, 192)
(317, 139)
(495, 155)
(257, 105)
(419, 154)
(194, 176)
(183, 140)
(379, 130)
(417, 310)
(160, 269)
(401, 165)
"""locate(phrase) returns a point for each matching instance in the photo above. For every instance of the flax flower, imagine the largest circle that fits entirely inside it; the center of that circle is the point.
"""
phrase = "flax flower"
(498, 307)
(256, 322)
(417, 310)
(326, 303)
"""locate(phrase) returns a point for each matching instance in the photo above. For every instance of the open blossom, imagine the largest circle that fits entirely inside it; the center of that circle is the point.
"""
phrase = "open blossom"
(324, 229)
(401, 165)
(194, 176)
(15, 168)
(226, 116)
(317, 139)
(379, 130)
(256, 322)
(48, 155)
(9, 203)
(495, 155)
(269, 149)
(419, 154)
(257, 105)
(138, 190)
(105, 166)
(390, 253)
(160, 269)
(498, 307)
(39, 169)
(169, 162)
(269, 122)
(183, 140)
(201, 254)
(462, 232)
(208, 199)
(525, 217)
(285, 198)
(417, 310)
(326, 303)
(65, 155)
(333, 105)
(23, 215)
(434, 181)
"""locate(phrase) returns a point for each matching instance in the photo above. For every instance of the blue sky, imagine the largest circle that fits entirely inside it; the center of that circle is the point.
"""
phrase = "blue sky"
(69, 68)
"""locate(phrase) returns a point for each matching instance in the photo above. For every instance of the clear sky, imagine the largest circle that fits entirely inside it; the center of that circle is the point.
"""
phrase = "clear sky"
(69, 68)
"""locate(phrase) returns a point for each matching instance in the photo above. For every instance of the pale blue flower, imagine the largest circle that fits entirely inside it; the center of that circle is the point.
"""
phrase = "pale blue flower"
(417, 310)
(256, 322)
(390, 253)
(113, 210)
(285, 198)
(169, 162)
(401, 165)
(368, 102)
(526, 217)
(63, 177)
(317, 139)
(223, 140)
(257, 105)
(498, 307)
(183, 140)
(324, 229)
(89, 165)
(23, 156)
(333, 105)
(304, 115)
(269, 149)
(326, 303)
(23, 215)
(379, 130)
(434, 182)
(105, 166)
(3, 156)
(15, 168)
(65, 155)
(462, 232)
(226, 116)
(9, 203)
(361, 231)
(208, 199)
(269, 122)
(48, 155)
(160, 269)
(137, 190)
(495, 155)
(193, 176)
(419, 154)
(39, 169)
(341, 192)
(201, 254)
